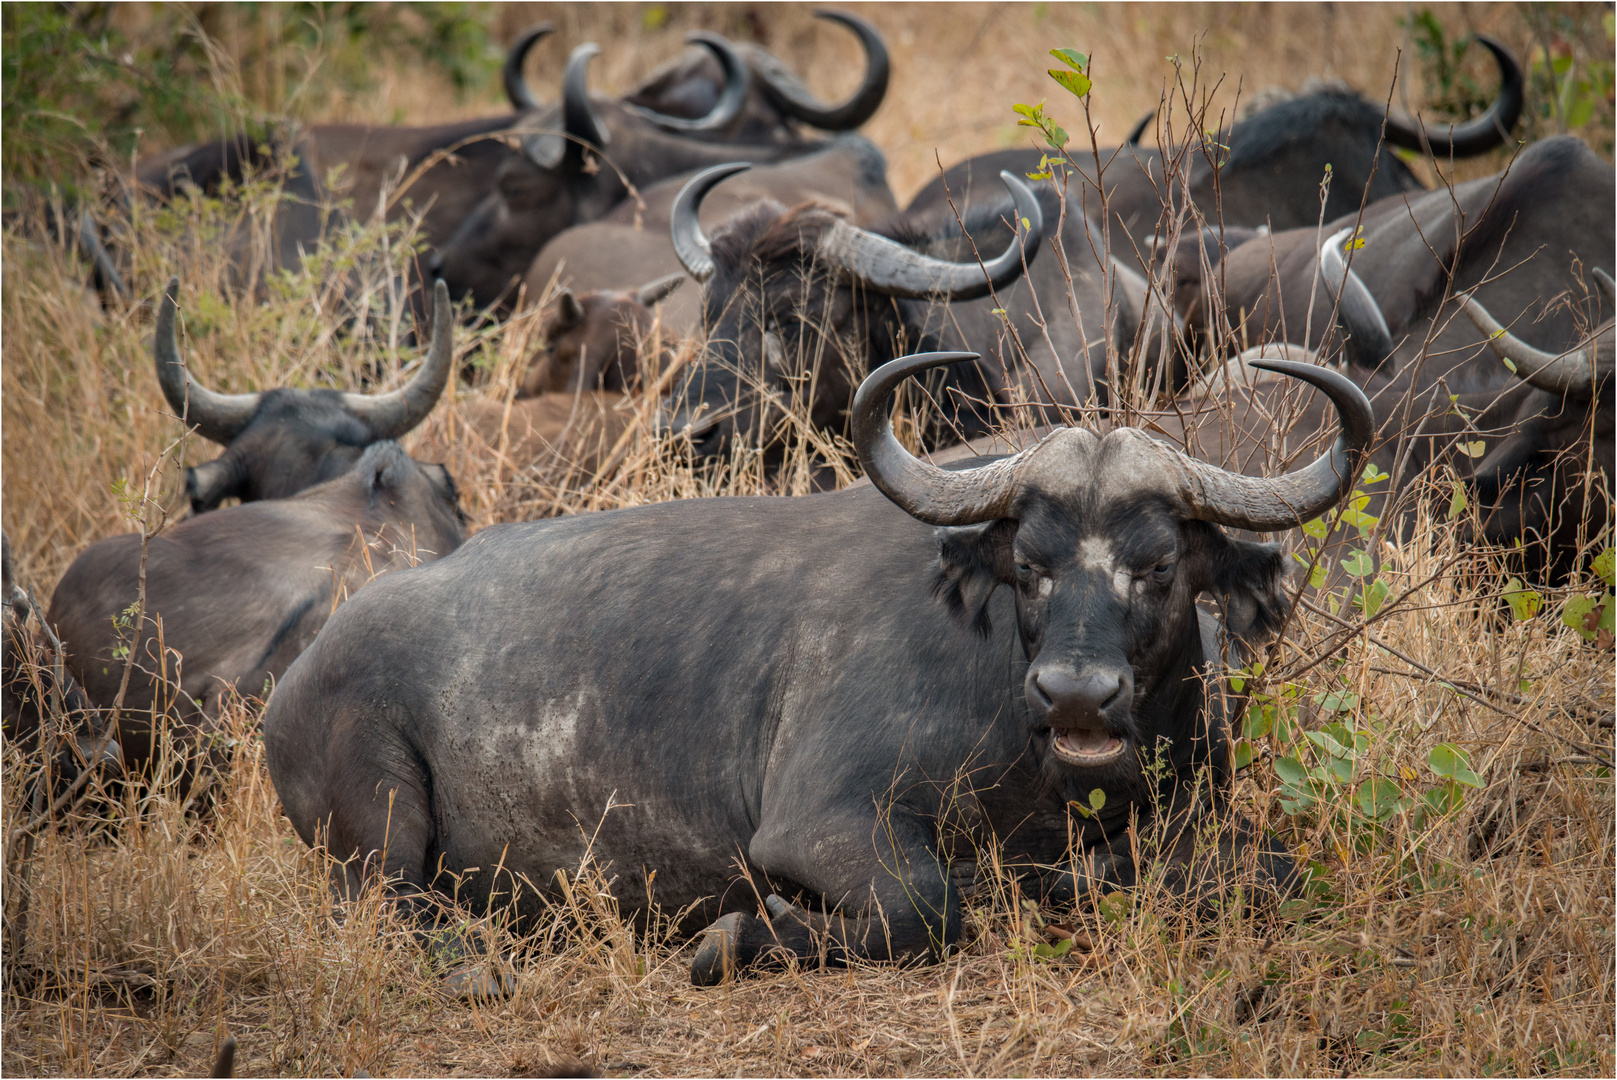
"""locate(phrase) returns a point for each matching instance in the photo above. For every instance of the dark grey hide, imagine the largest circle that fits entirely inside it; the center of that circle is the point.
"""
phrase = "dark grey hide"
(242, 591)
(837, 701)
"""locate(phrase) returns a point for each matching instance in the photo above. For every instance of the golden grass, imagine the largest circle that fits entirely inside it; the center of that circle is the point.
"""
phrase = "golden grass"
(1476, 942)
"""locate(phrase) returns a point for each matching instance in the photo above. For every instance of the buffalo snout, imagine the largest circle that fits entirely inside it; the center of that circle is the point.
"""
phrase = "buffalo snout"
(1087, 712)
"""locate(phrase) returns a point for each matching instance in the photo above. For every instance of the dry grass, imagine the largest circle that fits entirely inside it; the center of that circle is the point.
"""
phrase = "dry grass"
(1479, 941)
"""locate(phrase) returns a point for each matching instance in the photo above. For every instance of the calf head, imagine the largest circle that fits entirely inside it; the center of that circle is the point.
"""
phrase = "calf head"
(1107, 542)
(1549, 482)
(795, 300)
(282, 441)
(593, 339)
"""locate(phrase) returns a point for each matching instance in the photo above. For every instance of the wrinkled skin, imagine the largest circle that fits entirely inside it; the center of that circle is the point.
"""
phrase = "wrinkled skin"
(774, 316)
(242, 591)
(841, 697)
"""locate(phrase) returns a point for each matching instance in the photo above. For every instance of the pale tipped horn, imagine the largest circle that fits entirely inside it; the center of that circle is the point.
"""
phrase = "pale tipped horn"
(217, 417)
(1369, 342)
(1578, 370)
(690, 243)
(516, 87)
(788, 94)
(579, 121)
(1607, 287)
(922, 490)
(889, 267)
(1209, 493)
(1140, 128)
(732, 98)
(1265, 504)
(392, 414)
(1477, 135)
(653, 292)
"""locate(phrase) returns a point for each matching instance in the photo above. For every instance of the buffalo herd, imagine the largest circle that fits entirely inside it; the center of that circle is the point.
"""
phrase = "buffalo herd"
(800, 722)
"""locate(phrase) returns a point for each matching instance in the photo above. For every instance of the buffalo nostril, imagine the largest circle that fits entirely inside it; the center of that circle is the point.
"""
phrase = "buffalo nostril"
(1088, 696)
(435, 265)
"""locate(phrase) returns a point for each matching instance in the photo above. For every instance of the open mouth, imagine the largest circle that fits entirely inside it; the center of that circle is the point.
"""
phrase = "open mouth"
(1086, 746)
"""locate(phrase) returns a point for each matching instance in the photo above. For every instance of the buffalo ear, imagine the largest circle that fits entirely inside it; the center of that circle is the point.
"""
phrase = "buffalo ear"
(569, 312)
(973, 560)
(652, 292)
(1249, 580)
(211, 483)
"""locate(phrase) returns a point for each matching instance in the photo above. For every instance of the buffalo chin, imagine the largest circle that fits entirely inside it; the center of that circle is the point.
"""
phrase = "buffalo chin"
(1086, 746)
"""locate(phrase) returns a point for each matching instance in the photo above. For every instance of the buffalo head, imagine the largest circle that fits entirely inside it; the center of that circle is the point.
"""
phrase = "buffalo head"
(794, 301)
(574, 160)
(1106, 542)
(1548, 482)
(593, 339)
(278, 442)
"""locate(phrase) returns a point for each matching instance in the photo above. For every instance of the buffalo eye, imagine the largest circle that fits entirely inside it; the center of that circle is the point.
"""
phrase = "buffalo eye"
(1162, 572)
(1028, 580)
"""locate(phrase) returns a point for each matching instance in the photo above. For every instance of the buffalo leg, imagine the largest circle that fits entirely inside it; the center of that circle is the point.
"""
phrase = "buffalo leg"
(894, 899)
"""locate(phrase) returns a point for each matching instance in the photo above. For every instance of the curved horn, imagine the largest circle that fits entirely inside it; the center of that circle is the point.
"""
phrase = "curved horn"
(891, 268)
(942, 497)
(1140, 128)
(695, 253)
(516, 87)
(1572, 372)
(96, 252)
(922, 490)
(1606, 285)
(390, 415)
(732, 99)
(578, 115)
(788, 94)
(1369, 341)
(1478, 134)
(1284, 502)
(217, 417)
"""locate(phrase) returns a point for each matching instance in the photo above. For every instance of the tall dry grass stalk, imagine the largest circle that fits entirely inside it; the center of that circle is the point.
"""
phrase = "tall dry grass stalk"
(1472, 938)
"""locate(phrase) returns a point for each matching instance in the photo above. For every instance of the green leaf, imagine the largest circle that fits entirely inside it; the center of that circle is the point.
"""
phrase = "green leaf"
(1315, 528)
(1458, 501)
(1473, 449)
(1032, 112)
(1379, 798)
(1291, 771)
(1057, 136)
(1259, 720)
(1587, 615)
(1359, 564)
(1097, 799)
(1336, 701)
(1072, 58)
(1605, 564)
(1316, 576)
(1524, 602)
(1373, 475)
(1114, 907)
(1076, 82)
(1359, 520)
(1052, 952)
(1375, 594)
(1450, 762)
(1045, 175)
(1242, 754)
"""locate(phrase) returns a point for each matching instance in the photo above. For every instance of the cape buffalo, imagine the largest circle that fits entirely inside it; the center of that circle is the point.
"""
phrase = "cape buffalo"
(797, 303)
(1519, 241)
(278, 442)
(775, 100)
(631, 243)
(37, 694)
(592, 340)
(233, 597)
(838, 700)
(1268, 166)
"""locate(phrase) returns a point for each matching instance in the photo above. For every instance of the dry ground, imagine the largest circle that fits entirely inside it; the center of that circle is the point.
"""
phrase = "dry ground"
(1477, 940)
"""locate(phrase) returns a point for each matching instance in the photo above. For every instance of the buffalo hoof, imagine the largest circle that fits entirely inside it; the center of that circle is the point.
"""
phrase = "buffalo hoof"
(475, 982)
(716, 959)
